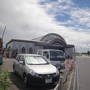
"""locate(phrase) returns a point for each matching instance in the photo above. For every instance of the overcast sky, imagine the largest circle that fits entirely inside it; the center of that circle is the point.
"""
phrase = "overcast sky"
(27, 19)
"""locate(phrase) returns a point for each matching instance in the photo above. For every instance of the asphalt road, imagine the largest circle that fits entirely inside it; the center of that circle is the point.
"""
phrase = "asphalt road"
(17, 83)
(84, 72)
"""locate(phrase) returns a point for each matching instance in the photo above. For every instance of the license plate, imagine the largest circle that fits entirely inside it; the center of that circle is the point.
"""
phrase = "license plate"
(48, 80)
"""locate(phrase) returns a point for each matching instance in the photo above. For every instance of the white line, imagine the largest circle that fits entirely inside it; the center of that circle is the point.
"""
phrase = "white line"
(78, 85)
(70, 81)
(74, 83)
(56, 87)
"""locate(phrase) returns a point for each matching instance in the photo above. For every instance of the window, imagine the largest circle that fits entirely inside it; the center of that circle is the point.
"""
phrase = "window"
(23, 50)
(18, 58)
(46, 54)
(14, 53)
(39, 52)
(30, 50)
(57, 55)
(36, 60)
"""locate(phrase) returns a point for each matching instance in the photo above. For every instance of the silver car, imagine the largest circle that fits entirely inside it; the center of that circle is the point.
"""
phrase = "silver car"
(36, 70)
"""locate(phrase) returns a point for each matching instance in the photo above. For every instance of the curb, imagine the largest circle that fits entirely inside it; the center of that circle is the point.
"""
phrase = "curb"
(70, 81)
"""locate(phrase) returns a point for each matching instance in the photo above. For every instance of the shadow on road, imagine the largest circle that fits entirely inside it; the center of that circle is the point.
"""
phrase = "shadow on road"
(18, 84)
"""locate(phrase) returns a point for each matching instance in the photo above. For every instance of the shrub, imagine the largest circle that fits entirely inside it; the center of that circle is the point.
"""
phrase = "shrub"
(4, 80)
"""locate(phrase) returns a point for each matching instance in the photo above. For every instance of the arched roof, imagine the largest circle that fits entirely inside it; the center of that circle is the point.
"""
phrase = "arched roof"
(53, 38)
(52, 34)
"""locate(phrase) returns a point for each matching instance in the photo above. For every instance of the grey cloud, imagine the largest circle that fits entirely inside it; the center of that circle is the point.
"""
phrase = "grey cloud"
(26, 19)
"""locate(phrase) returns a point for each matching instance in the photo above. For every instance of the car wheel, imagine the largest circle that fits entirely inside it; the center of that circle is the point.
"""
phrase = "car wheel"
(25, 79)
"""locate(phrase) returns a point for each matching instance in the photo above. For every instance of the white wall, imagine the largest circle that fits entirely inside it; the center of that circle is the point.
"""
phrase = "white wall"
(19, 45)
(26, 45)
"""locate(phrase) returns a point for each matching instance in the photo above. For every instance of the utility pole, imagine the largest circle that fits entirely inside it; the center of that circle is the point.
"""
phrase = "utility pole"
(2, 49)
(3, 32)
(1, 46)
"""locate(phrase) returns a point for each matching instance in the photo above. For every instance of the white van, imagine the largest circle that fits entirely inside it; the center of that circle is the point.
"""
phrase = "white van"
(56, 57)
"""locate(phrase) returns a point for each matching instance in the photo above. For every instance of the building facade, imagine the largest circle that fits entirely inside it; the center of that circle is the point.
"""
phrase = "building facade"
(49, 41)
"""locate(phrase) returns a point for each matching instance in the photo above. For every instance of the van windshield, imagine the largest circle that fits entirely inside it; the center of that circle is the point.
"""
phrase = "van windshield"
(57, 55)
(36, 60)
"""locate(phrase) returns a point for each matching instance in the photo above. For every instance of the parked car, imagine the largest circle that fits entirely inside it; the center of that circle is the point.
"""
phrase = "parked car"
(36, 70)
(56, 57)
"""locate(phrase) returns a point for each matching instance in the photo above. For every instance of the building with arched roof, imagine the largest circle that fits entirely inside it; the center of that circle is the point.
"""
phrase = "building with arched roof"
(53, 39)
(49, 41)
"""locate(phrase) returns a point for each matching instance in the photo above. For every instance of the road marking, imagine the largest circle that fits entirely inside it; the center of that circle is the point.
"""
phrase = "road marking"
(70, 81)
(56, 88)
(77, 73)
(75, 77)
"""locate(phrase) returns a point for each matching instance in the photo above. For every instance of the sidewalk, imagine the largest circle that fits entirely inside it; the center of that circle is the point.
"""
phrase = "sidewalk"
(67, 85)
